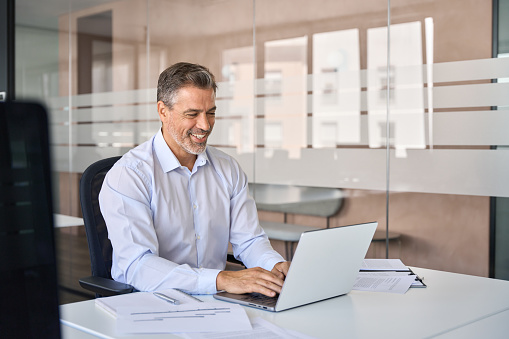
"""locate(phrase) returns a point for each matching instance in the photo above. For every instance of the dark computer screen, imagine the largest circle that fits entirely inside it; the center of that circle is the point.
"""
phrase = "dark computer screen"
(28, 280)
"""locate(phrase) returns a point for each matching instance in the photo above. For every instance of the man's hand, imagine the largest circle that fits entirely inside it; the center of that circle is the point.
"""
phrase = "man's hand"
(281, 269)
(251, 280)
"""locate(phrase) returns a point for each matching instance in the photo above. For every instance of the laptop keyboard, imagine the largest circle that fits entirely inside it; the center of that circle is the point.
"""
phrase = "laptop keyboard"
(259, 298)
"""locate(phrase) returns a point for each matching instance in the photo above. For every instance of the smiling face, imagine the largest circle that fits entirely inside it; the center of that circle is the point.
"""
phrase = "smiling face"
(189, 122)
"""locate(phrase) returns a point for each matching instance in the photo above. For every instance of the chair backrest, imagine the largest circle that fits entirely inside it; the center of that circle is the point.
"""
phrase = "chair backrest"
(99, 245)
(29, 302)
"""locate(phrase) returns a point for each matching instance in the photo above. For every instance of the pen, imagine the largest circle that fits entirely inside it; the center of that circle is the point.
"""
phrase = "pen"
(166, 298)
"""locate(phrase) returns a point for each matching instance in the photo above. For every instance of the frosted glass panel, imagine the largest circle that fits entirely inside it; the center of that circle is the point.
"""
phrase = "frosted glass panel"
(336, 88)
(121, 120)
(331, 111)
(406, 97)
(117, 121)
(235, 99)
(482, 172)
(472, 128)
(471, 70)
(284, 89)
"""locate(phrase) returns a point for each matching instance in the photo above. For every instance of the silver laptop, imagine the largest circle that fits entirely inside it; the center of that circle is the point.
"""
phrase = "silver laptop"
(325, 265)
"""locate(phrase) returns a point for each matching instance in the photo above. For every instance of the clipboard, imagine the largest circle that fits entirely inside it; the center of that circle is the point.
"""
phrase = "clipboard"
(391, 265)
(419, 280)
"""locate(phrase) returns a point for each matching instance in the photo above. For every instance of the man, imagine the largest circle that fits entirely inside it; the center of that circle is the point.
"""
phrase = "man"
(173, 203)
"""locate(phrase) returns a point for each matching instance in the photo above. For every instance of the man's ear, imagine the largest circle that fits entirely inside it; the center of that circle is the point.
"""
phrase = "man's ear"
(162, 109)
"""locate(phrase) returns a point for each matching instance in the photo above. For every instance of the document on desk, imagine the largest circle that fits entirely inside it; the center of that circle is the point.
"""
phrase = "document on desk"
(111, 304)
(261, 329)
(394, 267)
(194, 317)
(383, 265)
(391, 282)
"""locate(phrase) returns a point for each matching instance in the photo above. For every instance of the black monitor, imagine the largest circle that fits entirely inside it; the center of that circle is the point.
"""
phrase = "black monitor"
(28, 279)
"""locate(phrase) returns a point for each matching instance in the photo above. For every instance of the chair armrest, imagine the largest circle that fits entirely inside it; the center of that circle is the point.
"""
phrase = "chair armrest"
(108, 287)
(231, 259)
(105, 287)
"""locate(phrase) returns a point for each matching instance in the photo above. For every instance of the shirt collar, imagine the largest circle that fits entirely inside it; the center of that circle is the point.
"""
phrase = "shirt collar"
(202, 158)
(167, 159)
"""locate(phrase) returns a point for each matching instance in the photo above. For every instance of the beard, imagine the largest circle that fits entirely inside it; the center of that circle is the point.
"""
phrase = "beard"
(186, 143)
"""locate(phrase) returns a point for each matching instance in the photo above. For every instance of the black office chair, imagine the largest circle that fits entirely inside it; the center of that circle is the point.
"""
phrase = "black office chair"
(29, 301)
(97, 234)
(99, 245)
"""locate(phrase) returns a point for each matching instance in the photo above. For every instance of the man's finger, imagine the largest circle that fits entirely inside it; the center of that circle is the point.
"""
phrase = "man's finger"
(281, 267)
(278, 273)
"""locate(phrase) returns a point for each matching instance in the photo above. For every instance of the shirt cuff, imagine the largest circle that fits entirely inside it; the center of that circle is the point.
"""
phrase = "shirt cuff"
(207, 281)
(269, 264)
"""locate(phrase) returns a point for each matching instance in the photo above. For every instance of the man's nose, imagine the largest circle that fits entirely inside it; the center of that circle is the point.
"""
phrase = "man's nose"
(203, 122)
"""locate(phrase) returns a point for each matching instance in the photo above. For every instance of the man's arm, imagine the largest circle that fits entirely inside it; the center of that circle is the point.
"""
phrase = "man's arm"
(250, 243)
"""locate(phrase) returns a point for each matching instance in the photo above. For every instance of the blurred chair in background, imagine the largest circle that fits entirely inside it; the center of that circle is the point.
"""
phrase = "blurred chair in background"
(29, 302)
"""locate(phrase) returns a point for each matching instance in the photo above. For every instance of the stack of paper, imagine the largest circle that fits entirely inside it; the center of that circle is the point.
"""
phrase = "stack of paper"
(144, 313)
(386, 275)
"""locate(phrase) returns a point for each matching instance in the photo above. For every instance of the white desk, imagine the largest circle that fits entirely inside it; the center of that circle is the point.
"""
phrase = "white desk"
(62, 220)
(74, 333)
(495, 326)
(452, 306)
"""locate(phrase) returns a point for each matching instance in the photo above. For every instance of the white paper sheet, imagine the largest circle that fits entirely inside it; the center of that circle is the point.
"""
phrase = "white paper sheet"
(383, 265)
(195, 317)
(261, 329)
(383, 282)
(111, 304)
(387, 274)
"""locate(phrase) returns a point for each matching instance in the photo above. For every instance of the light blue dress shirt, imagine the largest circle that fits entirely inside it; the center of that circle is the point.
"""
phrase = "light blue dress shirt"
(170, 227)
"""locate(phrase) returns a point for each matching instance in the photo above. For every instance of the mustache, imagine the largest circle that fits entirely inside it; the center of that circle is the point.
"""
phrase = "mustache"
(199, 131)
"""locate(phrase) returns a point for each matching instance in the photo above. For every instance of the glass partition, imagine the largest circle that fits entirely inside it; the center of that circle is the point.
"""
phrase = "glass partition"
(441, 187)
(392, 104)
(312, 112)
(499, 235)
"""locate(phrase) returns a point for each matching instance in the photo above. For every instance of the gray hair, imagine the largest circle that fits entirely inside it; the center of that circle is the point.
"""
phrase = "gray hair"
(183, 74)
